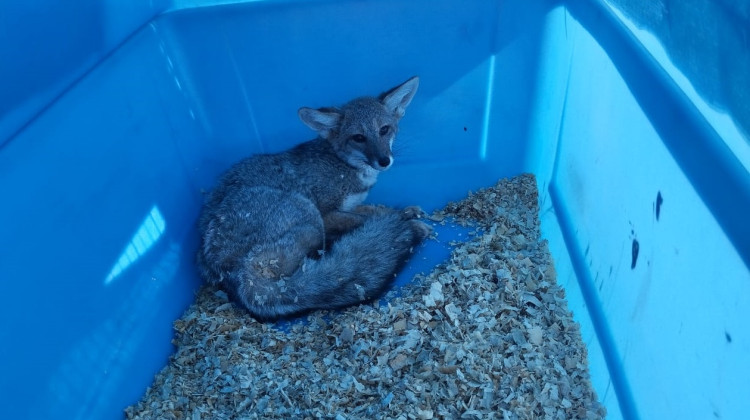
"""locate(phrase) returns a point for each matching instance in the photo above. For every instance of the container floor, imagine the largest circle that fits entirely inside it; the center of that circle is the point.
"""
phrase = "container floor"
(486, 334)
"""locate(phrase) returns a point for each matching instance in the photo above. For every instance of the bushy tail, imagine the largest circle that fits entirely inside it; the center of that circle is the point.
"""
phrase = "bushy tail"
(359, 267)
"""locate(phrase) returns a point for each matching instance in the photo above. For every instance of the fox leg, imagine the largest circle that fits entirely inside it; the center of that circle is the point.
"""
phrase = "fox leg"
(339, 222)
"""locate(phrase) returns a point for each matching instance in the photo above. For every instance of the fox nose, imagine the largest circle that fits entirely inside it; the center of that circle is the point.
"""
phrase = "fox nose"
(384, 162)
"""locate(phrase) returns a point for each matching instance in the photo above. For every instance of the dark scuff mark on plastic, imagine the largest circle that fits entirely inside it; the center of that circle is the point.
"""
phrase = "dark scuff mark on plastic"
(727, 336)
(659, 201)
(465, 129)
(601, 284)
(635, 249)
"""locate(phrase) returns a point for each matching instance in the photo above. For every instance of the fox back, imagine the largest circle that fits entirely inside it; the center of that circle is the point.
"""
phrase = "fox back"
(286, 233)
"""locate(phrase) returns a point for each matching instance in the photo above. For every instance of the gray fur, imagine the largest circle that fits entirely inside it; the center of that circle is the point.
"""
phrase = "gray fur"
(286, 233)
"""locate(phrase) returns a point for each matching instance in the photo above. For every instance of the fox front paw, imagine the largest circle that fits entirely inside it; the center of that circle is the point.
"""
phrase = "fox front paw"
(413, 212)
(420, 230)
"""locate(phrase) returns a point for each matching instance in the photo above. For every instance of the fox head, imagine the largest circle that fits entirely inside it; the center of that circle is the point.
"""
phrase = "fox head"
(362, 131)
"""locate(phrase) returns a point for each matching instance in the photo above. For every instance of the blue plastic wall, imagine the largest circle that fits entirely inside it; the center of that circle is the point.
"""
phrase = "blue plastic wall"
(115, 118)
(624, 157)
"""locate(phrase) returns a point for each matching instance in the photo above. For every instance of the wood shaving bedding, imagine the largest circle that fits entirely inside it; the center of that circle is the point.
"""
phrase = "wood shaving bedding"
(485, 335)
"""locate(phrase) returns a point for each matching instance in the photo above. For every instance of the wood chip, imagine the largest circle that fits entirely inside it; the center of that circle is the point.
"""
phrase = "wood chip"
(487, 334)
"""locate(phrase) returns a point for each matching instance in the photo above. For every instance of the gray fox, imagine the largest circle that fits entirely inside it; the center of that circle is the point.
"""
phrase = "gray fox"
(286, 233)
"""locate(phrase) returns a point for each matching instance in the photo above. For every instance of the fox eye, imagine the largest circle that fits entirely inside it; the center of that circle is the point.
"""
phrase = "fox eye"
(359, 138)
(385, 130)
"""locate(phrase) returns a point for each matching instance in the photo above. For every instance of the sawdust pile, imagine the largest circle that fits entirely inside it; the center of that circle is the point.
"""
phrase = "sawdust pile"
(485, 335)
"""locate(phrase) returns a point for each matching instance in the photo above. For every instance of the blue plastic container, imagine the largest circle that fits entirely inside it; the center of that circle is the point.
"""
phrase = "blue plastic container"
(115, 116)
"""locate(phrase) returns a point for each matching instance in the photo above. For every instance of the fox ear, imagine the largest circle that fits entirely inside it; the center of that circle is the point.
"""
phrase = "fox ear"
(323, 120)
(397, 99)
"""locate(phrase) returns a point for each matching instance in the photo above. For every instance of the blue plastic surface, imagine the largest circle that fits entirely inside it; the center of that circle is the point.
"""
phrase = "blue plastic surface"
(115, 118)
